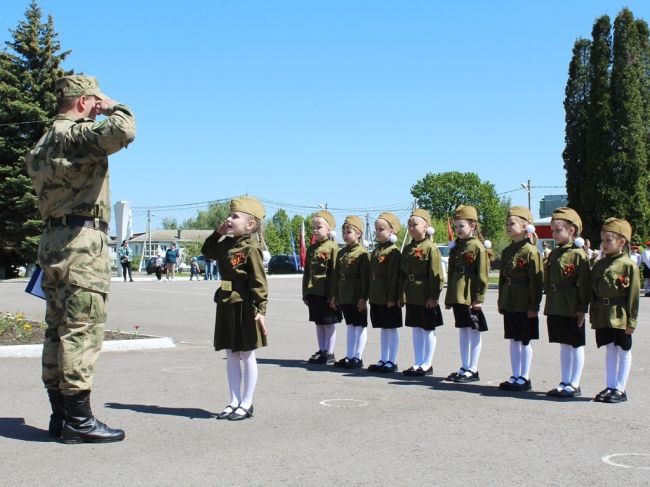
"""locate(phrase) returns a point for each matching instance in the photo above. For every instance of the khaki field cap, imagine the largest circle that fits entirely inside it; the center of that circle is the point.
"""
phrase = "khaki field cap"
(422, 213)
(466, 213)
(569, 215)
(392, 220)
(77, 85)
(355, 221)
(327, 216)
(618, 225)
(521, 212)
(248, 204)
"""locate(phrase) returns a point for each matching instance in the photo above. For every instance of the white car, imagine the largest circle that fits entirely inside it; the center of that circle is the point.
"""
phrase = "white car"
(444, 257)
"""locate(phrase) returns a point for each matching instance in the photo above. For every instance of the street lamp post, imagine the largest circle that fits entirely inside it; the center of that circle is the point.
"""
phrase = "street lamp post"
(527, 187)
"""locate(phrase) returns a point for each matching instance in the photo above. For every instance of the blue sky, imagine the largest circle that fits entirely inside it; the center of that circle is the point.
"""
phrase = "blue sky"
(344, 102)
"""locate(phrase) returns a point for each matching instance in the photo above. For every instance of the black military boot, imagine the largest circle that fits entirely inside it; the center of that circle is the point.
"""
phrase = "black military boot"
(80, 424)
(58, 413)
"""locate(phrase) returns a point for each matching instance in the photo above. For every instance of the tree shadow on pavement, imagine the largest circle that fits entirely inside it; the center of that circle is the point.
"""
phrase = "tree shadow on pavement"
(191, 413)
(16, 429)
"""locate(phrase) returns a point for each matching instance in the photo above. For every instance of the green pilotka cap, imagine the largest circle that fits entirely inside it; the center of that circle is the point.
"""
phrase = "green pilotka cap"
(249, 205)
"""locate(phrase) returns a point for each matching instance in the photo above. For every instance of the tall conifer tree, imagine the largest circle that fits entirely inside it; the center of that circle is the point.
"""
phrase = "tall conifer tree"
(29, 65)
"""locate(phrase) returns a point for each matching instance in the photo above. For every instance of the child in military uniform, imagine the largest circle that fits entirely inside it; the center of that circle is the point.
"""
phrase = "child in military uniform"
(317, 283)
(240, 326)
(421, 282)
(567, 287)
(467, 280)
(614, 306)
(350, 291)
(385, 314)
(520, 292)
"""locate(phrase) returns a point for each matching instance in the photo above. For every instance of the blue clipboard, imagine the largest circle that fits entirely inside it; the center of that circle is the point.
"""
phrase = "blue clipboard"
(34, 286)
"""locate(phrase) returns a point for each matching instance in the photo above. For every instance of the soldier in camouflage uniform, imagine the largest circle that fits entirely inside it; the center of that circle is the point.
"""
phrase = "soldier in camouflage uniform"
(614, 306)
(69, 172)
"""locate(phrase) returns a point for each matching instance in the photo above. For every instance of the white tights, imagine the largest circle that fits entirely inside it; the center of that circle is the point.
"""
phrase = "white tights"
(618, 362)
(470, 348)
(236, 374)
(389, 345)
(357, 337)
(424, 345)
(572, 360)
(521, 356)
(326, 336)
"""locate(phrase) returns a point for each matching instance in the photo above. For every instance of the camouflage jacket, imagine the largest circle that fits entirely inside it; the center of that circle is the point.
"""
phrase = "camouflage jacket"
(351, 274)
(384, 274)
(69, 164)
(242, 270)
(468, 272)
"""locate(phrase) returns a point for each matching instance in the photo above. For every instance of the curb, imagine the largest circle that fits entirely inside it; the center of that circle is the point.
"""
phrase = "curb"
(31, 351)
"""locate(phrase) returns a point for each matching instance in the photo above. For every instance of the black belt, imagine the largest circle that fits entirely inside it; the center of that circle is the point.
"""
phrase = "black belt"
(78, 221)
(515, 280)
(466, 270)
(376, 277)
(611, 301)
(312, 274)
(417, 277)
(343, 277)
(559, 286)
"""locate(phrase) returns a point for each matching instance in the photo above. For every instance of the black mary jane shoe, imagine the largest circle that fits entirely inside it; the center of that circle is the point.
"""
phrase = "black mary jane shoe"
(452, 377)
(319, 357)
(412, 371)
(526, 386)
(508, 385)
(555, 392)
(343, 363)
(376, 367)
(600, 397)
(228, 410)
(464, 378)
(615, 397)
(236, 415)
(355, 363)
(569, 391)
(389, 367)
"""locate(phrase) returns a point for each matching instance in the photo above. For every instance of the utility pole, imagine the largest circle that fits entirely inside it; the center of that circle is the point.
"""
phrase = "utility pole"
(528, 188)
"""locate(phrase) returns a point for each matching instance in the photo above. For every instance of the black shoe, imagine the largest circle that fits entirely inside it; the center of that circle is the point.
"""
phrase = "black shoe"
(463, 378)
(227, 411)
(343, 363)
(615, 397)
(600, 397)
(376, 367)
(569, 391)
(555, 392)
(80, 424)
(355, 363)
(58, 413)
(241, 413)
(420, 372)
(526, 386)
(320, 357)
(329, 358)
(388, 368)
(451, 377)
(412, 371)
(508, 384)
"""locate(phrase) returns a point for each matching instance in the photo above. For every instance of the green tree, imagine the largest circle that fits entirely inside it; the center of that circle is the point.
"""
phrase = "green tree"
(29, 65)
(576, 104)
(441, 193)
(208, 219)
(169, 223)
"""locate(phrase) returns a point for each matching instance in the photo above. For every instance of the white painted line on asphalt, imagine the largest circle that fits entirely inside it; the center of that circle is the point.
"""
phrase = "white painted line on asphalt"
(31, 351)
(181, 370)
(196, 342)
(608, 459)
(343, 403)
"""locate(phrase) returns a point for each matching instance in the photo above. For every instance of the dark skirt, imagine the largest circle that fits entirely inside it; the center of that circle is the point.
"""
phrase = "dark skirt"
(383, 317)
(320, 312)
(615, 336)
(518, 327)
(563, 329)
(466, 317)
(421, 317)
(236, 328)
(646, 272)
(353, 316)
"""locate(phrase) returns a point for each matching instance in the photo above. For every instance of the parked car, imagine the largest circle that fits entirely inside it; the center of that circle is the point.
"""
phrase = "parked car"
(150, 265)
(284, 264)
(444, 257)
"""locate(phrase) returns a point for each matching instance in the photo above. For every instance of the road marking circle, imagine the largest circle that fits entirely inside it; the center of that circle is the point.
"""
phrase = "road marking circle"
(181, 370)
(618, 459)
(343, 403)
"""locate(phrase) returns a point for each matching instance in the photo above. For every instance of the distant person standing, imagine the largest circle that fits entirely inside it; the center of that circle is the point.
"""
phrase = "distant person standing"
(126, 258)
(645, 261)
(208, 268)
(194, 269)
(170, 261)
(159, 266)
(69, 172)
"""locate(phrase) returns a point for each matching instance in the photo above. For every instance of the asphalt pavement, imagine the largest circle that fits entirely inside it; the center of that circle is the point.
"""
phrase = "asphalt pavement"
(316, 425)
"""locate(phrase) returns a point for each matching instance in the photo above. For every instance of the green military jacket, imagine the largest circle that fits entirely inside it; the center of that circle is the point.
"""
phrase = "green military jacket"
(520, 278)
(69, 171)
(241, 266)
(567, 281)
(384, 274)
(351, 274)
(318, 276)
(615, 293)
(467, 273)
(421, 272)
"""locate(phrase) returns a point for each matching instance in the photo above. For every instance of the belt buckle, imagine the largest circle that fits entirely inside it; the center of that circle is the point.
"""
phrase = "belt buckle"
(96, 223)
(462, 269)
(372, 276)
(342, 277)
(553, 288)
(412, 277)
(606, 301)
(508, 280)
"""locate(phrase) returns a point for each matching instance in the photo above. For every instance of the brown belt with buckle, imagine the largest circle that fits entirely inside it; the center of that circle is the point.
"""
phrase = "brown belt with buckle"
(611, 301)
(78, 221)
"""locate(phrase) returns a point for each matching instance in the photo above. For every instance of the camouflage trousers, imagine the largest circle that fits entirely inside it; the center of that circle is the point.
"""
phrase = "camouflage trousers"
(75, 320)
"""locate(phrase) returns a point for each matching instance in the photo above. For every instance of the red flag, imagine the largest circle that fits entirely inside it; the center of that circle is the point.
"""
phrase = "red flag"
(450, 234)
(303, 249)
